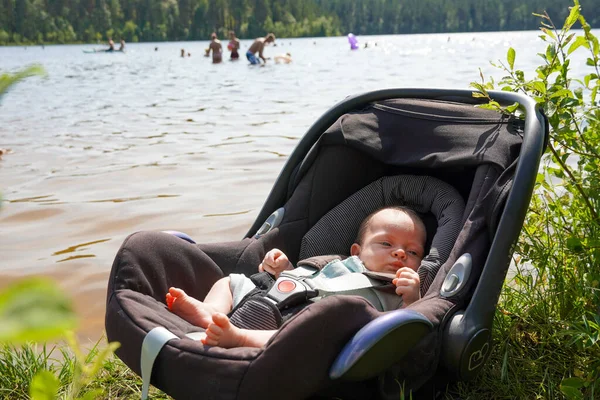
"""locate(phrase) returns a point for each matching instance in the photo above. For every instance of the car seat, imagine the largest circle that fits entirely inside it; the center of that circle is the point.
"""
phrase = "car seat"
(342, 346)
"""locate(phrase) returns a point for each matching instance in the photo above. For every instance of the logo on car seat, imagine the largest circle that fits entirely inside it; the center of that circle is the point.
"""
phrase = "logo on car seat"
(477, 357)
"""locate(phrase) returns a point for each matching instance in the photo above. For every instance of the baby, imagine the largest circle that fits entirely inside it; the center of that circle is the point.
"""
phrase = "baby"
(390, 240)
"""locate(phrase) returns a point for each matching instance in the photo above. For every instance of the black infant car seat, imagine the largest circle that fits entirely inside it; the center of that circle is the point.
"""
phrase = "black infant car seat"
(342, 346)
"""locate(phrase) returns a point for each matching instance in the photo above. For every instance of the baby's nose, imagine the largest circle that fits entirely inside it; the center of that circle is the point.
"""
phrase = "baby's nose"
(399, 253)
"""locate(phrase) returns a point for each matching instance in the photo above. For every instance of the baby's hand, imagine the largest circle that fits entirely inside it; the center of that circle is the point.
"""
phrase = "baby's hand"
(407, 285)
(275, 262)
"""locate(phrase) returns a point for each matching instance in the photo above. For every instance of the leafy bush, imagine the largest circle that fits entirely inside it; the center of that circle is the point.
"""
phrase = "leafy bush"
(548, 323)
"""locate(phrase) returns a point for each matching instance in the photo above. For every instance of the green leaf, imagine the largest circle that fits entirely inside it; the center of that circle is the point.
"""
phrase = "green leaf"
(34, 310)
(512, 108)
(44, 386)
(572, 18)
(538, 86)
(549, 109)
(540, 178)
(590, 62)
(550, 52)
(561, 93)
(510, 57)
(520, 75)
(588, 78)
(580, 41)
(568, 39)
(574, 244)
(488, 107)
(8, 80)
(549, 33)
(570, 388)
(595, 44)
(546, 25)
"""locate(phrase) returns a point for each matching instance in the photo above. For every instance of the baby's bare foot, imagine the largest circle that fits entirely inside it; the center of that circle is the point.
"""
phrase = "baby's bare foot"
(192, 310)
(223, 333)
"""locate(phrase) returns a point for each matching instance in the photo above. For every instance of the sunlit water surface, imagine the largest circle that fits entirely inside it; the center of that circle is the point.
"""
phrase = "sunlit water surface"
(110, 144)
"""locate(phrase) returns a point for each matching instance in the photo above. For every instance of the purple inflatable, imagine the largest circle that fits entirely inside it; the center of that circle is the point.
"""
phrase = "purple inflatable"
(353, 41)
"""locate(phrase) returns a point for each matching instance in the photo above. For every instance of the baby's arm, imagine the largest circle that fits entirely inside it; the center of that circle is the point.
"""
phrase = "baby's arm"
(407, 285)
(275, 262)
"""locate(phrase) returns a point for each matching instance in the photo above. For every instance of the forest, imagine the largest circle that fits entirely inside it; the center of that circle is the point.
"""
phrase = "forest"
(91, 21)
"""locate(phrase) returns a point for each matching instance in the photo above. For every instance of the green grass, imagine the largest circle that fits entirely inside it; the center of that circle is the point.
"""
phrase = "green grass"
(18, 365)
(540, 350)
(531, 357)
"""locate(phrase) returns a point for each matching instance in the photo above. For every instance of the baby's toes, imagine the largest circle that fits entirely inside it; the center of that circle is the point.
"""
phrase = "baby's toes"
(214, 331)
(169, 299)
(221, 321)
(176, 292)
(208, 341)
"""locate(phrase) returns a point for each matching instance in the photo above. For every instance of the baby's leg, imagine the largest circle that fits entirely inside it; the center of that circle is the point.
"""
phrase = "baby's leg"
(219, 296)
(223, 333)
(197, 312)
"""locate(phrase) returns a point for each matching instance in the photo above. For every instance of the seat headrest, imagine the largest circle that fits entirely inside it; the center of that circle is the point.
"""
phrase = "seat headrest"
(335, 232)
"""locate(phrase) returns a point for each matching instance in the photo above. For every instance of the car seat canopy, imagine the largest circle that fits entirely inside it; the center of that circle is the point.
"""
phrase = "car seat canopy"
(429, 134)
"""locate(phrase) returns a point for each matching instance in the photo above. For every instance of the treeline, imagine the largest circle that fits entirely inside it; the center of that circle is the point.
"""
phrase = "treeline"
(72, 21)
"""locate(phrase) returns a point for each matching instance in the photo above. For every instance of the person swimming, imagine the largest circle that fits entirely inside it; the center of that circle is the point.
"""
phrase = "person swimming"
(283, 58)
(233, 45)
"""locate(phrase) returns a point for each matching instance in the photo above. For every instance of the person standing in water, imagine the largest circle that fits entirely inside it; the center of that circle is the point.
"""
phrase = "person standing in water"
(234, 45)
(258, 47)
(216, 48)
(111, 45)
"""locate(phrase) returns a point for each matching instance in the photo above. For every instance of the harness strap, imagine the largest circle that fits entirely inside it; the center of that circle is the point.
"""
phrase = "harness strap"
(151, 346)
(375, 288)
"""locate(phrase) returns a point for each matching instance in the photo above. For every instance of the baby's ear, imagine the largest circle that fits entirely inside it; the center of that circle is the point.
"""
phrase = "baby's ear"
(355, 249)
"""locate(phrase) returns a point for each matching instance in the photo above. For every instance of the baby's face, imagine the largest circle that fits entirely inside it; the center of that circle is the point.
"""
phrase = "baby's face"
(392, 241)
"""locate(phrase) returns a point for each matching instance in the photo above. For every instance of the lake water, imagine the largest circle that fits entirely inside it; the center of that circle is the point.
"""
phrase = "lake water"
(110, 144)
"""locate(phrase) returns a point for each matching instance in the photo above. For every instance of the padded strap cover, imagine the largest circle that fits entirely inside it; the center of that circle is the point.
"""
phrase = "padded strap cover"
(151, 346)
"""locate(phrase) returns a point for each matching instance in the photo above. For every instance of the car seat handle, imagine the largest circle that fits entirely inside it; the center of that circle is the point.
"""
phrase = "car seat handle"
(181, 235)
(379, 344)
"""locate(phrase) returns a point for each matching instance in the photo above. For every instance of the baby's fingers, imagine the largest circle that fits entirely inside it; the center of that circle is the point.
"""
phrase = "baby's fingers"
(281, 262)
(405, 282)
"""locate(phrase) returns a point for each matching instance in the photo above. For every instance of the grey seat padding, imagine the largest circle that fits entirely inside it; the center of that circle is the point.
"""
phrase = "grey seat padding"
(336, 231)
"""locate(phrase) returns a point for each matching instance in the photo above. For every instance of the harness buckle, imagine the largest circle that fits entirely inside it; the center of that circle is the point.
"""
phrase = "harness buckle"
(290, 291)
